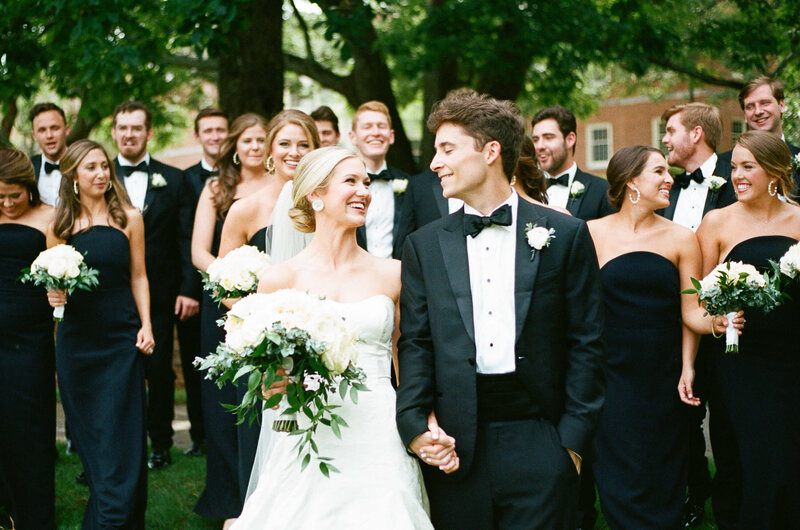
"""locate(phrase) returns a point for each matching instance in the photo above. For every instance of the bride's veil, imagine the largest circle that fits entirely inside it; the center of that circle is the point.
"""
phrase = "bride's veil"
(287, 242)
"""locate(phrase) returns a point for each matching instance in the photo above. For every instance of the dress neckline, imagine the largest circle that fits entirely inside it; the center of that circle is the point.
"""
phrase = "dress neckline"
(322, 297)
(25, 226)
(89, 229)
(639, 252)
(740, 243)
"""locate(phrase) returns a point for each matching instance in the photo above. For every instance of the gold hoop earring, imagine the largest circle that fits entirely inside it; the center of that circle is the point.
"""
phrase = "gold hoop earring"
(110, 186)
(235, 158)
(772, 188)
(513, 180)
(269, 164)
(75, 187)
(317, 205)
(638, 196)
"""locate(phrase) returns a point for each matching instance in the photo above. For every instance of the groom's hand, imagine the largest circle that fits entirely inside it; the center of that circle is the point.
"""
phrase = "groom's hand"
(436, 448)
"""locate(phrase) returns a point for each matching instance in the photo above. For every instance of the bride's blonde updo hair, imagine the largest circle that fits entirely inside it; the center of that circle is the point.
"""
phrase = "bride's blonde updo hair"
(313, 173)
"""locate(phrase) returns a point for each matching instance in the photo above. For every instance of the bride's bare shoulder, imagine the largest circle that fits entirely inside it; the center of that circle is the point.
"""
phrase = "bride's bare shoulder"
(280, 276)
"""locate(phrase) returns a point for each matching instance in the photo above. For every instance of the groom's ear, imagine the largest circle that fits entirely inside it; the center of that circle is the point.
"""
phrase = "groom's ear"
(491, 151)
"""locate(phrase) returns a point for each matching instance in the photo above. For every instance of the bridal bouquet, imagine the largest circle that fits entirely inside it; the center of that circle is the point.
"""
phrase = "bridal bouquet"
(60, 268)
(307, 337)
(789, 264)
(237, 274)
(733, 286)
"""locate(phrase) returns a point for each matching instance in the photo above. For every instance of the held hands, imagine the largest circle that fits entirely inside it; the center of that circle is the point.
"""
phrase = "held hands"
(144, 340)
(436, 448)
(57, 298)
(719, 323)
(277, 387)
(186, 307)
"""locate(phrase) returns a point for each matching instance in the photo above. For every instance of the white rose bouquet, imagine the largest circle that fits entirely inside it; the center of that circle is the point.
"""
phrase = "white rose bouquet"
(236, 275)
(60, 268)
(733, 286)
(308, 338)
(789, 264)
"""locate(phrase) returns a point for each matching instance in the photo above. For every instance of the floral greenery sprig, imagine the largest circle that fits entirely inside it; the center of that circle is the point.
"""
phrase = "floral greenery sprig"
(715, 182)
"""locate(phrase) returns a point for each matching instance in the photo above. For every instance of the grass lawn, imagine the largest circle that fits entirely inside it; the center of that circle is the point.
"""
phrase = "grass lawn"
(171, 495)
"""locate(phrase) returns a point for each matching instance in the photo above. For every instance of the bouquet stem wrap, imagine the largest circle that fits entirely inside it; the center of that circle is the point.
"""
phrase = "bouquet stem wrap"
(58, 313)
(731, 335)
(286, 421)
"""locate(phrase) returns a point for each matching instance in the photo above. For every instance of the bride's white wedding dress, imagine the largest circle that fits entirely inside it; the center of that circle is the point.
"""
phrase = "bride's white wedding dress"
(379, 484)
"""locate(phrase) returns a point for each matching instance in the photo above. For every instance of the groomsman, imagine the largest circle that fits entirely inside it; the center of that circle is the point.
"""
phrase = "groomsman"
(554, 138)
(327, 126)
(50, 130)
(763, 103)
(210, 130)
(501, 335)
(159, 192)
(372, 135)
(693, 132)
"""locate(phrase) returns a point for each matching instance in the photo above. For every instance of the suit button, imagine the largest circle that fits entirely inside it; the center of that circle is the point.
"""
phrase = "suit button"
(471, 362)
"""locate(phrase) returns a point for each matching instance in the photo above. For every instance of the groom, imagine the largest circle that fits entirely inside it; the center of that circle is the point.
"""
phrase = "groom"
(501, 334)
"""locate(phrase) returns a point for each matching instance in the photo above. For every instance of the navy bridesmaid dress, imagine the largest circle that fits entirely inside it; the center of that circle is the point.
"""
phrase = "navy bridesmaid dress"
(101, 376)
(27, 385)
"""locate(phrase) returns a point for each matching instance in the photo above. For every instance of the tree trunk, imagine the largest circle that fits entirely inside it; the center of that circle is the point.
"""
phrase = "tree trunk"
(251, 72)
(7, 124)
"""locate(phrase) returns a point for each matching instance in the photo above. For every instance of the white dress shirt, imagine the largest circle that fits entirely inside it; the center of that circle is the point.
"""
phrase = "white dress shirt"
(136, 182)
(692, 200)
(557, 194)
(49, 183)
(380, 218)
(491, 257)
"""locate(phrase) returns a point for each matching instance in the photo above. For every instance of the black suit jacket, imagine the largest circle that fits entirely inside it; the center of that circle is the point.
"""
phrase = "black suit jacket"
(423, 204)
(719, 198)
(725, 159)
(36, 160)
(559, 325)
(399, 199)
(196, 178)
(168, 221)
(593, 202)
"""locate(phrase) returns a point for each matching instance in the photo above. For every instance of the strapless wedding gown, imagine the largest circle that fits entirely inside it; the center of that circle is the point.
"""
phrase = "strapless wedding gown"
(379, 484)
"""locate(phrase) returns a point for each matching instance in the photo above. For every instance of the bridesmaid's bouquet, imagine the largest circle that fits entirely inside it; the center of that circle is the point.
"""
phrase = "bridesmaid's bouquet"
(237, 274)
(60, 268)
(789, 264)
(305, 336)
(731, 287)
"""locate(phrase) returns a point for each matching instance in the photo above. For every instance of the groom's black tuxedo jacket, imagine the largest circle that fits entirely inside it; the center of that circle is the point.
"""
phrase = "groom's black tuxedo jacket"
(168, 220)
(559, 326)
(399, 199)
(719, 198)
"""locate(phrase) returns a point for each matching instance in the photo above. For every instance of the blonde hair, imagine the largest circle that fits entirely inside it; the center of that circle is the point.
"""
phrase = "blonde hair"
(773, 155)
(313, 173)
(374, 106)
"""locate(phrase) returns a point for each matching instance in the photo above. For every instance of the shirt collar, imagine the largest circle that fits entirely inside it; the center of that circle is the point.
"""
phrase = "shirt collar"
(125, 162)
(709, 166)
(205, 165)
(573, 169)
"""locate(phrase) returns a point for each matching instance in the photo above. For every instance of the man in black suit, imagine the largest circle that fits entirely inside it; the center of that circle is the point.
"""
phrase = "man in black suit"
(210, 130)
(159, 192)
(763, 103)
(49, 128)
(554, 138)
(693, 131)
(372, 135)
(501, 335)
(327, 126)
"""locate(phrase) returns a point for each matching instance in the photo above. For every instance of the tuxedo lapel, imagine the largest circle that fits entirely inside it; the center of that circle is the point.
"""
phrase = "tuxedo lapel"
(441, 202)
(574, 203)
(454, 251)
(712, 197)
(151, 192)
(669, 211)
(525, 265)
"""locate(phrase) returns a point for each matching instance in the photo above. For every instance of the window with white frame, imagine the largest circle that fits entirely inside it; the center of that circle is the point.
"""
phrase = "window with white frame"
(658, 128)
(599, 145)
(737, 128)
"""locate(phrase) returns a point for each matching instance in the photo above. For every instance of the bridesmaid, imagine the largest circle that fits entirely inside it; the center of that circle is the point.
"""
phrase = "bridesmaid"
(27, 363)
(242, 172)
(759, 386)
(290, 135)
(646, 261)
(100, 371)
(529, 181)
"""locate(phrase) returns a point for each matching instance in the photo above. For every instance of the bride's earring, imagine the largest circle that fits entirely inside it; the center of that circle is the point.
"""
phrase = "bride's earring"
(317, 205)
(75, 187)
(772, 188)
(638, 196)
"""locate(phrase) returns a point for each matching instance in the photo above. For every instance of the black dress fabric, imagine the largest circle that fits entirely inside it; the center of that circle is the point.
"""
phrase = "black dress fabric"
(760, 389)
(641, 465)
(27, 370)
(101, 377)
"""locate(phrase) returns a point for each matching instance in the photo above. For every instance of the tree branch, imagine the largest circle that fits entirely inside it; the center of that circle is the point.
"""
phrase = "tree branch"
(304, 28)
(186, 61)
(696, 74)
(314, 70)
(783, 64)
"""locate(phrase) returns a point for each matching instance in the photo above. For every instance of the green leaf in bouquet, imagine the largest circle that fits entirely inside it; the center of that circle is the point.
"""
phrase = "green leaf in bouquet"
(308, 412)
(273, 400)
(246, 369)
(324, 468)
(306, 460)
(354, 395)
(338, 419)
(343, 384)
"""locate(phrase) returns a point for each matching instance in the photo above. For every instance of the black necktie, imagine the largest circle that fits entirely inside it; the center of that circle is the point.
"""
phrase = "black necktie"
(128, 170)
(207, 174)
(474, 224)
(561, 179)
(49, 168)
(683, 180)
(383, 175)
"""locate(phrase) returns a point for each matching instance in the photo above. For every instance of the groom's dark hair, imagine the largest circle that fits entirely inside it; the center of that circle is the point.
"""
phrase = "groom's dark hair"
(485, 119)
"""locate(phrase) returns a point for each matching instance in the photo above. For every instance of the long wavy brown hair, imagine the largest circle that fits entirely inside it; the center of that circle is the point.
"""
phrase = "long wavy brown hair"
(16, 168)
(69, 204)
(224, 189)
(528, 172)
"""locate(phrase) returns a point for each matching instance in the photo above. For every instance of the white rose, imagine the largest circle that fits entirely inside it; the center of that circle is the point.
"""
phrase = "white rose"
(58, 267)
(538, 237)
(399, 185)
(790, 262)
(715, 182)
(157, 180)
(577, 188)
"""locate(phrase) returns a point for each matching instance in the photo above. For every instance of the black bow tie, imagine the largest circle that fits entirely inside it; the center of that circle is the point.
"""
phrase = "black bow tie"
(684, 179)
(49, 168)
(474, 224)
(561, 179)
(206, 173)
(383, 175)
(126, 171)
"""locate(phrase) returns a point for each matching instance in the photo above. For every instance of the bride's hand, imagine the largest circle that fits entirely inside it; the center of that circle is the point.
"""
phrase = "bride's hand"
(277, 387)
(436, 448)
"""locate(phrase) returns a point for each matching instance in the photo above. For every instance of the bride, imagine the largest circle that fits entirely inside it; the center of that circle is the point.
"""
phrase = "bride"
(379, 483)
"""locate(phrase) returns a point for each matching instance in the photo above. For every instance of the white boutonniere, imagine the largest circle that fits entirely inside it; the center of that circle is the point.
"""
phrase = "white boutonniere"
(399, 185)
(796, 161)
(577, 189)
(538, 237)
(715, 182)
(157, 180)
